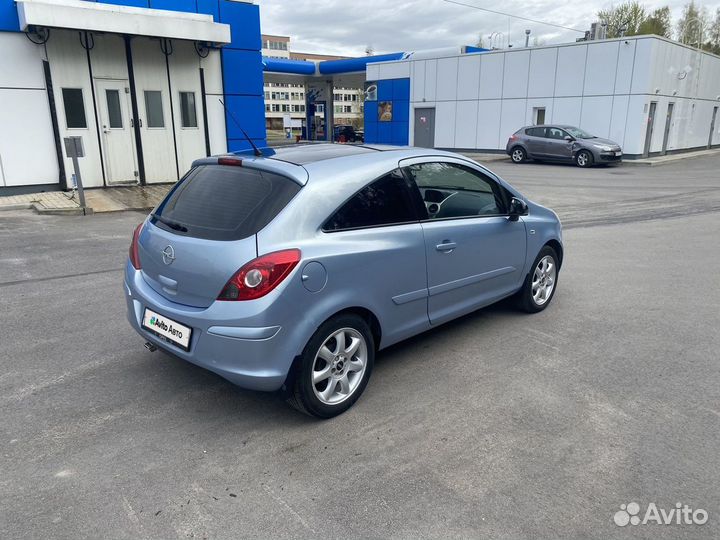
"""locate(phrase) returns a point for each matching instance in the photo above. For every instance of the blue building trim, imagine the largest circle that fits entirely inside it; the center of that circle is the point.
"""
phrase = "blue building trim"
(395, 131)
(350, 65)
(283, 65)
(242, 64)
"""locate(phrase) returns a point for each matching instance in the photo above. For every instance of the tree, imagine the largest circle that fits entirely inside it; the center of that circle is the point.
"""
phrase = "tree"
(624, 19)
(713, 37)
(480, 42)
(369, 51)
(658, 23)
(693, 25)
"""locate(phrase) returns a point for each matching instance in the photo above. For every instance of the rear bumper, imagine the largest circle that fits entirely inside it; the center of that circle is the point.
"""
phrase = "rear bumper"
(254, 357)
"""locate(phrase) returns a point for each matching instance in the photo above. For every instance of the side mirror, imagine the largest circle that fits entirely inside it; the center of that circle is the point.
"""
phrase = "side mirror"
(518, 208)
(568, 138)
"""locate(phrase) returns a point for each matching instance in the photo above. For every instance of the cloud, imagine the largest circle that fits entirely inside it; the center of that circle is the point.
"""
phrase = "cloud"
(347, 27)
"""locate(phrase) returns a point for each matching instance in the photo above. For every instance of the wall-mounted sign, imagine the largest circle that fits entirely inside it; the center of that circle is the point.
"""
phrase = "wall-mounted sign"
(370, 91)
(385, 111)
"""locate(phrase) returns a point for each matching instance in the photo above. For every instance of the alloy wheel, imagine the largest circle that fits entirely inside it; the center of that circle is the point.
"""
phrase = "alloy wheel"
(543, 281)
(339, 366)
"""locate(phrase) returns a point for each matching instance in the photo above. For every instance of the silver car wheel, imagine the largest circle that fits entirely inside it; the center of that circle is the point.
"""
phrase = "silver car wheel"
(339, 366)
(543, 281)
(517, 155)
(582, 159)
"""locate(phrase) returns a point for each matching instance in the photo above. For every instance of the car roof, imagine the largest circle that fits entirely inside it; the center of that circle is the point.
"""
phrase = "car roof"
(304, 154)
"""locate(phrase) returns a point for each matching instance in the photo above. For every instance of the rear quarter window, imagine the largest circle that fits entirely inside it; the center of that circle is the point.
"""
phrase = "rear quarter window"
(223, 202)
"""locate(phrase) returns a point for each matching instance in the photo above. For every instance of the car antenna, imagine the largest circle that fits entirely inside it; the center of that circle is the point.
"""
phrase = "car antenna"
(256, 150)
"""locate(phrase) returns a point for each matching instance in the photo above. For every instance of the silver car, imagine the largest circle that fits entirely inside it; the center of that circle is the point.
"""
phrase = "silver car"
(561, 143)
(290, 270)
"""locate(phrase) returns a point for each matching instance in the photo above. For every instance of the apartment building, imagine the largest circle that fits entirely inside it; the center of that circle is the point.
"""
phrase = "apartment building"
(288, 97)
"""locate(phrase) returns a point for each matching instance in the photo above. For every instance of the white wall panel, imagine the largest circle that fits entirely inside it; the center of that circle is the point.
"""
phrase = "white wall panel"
(394, 70)
(20, 62)
(213, 73)
(447, 79)
(570, 70)
(216, 127)
(491, 76)
(596, 115)
(602, 65)
(430, 80)
(542, 72)
(488, 124)
(108, 56)
(641, 81)
(445, 124)
(512, 118)
(68, 65)
(468, 84)
(636, 125)
(27, 147)
(417, 83)
(617, 121)
(515, 74)
(566, 111)
(466, 124)
(372, 72)
(625, 64)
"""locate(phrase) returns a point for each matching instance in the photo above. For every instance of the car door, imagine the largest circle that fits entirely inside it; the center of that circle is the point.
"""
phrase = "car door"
(376, 255)
(556, 147)
(475, 252)
(535, 137)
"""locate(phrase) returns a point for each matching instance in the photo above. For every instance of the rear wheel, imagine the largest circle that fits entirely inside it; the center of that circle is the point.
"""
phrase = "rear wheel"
(518, 154)
(540, 284)
(334, 368)
(583, 158)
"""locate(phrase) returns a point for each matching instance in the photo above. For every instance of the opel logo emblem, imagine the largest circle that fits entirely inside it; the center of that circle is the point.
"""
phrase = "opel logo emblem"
(168, 255)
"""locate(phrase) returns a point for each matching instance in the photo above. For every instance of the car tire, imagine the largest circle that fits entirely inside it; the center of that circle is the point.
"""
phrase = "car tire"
(541, 282)
(329, 357)
(583, 159)
(518, 155)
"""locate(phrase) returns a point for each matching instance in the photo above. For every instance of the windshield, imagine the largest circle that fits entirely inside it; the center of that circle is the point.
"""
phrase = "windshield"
(579, 133)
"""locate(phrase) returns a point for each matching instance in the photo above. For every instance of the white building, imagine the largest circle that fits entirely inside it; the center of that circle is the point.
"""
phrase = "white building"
(649, 94)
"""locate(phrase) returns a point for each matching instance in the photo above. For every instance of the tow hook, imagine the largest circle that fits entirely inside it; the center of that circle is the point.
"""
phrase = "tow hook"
(150, 347)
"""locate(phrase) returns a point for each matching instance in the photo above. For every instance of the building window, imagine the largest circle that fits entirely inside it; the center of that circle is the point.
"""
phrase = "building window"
(114, 111)
(154, 109)
(74, 108)
(539, 115)
(188, 114)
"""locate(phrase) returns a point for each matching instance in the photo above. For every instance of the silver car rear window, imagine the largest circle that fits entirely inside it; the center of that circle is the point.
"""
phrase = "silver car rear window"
(224, 202)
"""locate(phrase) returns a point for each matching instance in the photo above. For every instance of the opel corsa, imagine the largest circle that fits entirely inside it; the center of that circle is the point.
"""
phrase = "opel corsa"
(290, 271)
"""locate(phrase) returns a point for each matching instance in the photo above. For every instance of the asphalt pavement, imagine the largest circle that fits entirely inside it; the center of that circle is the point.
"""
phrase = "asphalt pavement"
(497, 425)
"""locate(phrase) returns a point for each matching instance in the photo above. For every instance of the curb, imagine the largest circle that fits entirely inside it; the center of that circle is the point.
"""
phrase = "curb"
(17, 206)
(61, 211)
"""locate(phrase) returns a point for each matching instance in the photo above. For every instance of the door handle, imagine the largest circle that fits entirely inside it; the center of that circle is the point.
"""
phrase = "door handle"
(446, 246)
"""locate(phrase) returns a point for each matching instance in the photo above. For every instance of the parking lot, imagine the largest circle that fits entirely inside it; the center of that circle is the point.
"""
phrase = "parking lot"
(499, 424)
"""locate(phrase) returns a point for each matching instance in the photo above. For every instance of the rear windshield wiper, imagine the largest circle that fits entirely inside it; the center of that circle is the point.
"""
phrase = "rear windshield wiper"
(170, 223)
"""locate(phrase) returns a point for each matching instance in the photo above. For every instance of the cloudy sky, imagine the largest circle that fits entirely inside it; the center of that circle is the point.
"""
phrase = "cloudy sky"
(349, 26)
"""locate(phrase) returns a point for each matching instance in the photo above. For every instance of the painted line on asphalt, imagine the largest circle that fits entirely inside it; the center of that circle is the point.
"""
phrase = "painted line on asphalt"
(50, 278)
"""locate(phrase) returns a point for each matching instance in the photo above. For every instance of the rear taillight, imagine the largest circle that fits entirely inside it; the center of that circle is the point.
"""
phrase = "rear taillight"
(513, 137)
(260, 276)
(134, 253)
(233, 162)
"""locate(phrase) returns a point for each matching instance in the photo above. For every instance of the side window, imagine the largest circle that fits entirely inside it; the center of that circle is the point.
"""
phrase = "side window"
(450, 190)
(384, 202)
(536, 132)
(154, 109)
(188, 114)
(556, 133)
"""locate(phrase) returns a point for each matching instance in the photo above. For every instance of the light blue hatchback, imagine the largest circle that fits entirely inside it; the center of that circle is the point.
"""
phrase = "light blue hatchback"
(290, 270)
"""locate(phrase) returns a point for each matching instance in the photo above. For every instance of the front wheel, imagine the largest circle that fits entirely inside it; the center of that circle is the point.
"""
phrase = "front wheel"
(540, 284)
(518, 155)
(583, 158)
(334, 368)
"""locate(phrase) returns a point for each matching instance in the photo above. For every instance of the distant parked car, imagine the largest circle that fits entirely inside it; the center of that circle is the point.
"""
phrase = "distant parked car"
(561, 143)
(347, 133)
(360, 135)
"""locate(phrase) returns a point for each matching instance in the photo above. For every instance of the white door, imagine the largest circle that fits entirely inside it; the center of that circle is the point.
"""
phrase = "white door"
(113, 98)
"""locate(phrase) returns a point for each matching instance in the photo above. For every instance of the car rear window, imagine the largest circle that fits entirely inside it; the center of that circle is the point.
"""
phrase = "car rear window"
(224, 202)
